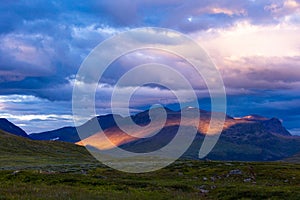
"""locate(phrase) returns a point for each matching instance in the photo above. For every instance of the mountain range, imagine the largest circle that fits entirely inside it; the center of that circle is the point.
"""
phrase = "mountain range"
(249, 138)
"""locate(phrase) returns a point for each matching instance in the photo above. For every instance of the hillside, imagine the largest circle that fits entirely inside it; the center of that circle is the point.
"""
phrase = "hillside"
(66, 134)
(251, 138)
(294, 158)
(18, 151)
(69, 134)
(9, 127)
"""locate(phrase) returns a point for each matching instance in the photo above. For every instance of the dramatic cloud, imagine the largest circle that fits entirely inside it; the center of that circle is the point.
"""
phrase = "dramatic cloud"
(254, 43)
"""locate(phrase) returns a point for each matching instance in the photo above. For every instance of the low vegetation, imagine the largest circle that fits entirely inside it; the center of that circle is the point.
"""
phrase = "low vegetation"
(56, 170)
(182, 180)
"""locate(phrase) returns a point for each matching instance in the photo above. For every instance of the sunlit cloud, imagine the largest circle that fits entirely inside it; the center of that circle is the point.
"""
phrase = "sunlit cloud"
(228, 11)
(255, 56)
(285, 7)
(245, 40)
(255, 44)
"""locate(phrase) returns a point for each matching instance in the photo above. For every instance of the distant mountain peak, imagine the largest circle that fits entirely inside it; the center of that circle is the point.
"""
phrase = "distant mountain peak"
(9, 127)
(275, 126)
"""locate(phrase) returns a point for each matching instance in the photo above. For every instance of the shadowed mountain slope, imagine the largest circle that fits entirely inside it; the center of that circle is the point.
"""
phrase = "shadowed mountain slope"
(7, 126)
(248, 138)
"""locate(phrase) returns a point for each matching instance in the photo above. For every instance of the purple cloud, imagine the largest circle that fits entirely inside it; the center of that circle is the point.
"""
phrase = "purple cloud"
(43, 44)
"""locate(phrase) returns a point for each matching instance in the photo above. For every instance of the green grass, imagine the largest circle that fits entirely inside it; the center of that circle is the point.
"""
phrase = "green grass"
(21, 152)
(181, 180)
(56, 170)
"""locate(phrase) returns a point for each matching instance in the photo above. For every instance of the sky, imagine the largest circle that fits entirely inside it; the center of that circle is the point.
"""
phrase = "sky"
(255, 45)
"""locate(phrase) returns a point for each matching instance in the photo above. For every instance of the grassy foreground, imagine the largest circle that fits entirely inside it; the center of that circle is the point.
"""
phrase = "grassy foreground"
(56, 170)
(181, 180)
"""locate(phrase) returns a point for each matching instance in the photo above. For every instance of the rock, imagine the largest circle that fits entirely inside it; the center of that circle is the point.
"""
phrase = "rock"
(228, 164)
(205, 179)
(212, 178)
(204, 191)
(247, 180)
(15, 172)
(286, 181)
(201, 187)
(235, 172)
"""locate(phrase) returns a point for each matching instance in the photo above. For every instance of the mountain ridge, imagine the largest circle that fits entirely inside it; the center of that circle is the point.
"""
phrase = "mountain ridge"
(8, 126)
(246, 138)
(69, 133)
(254, 138)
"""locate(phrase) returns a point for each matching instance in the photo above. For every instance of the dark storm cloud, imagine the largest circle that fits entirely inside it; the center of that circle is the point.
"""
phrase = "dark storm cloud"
(42, 44)
(261, 73)
(184, 16)
(51, 38)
